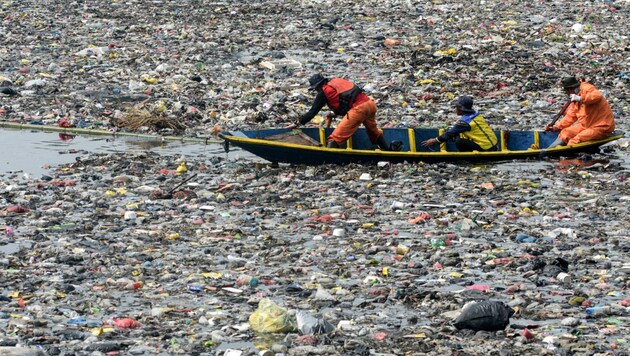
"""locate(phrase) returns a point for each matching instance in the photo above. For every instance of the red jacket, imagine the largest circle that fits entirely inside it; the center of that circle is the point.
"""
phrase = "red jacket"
(342, 95)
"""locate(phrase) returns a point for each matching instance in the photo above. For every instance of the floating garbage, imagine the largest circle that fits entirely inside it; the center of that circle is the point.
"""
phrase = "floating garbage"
(308, 324)
(271, 318)
(484, 315)
(158, 254)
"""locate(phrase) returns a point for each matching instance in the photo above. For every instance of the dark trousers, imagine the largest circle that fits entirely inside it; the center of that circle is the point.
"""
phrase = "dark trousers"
(465, 145)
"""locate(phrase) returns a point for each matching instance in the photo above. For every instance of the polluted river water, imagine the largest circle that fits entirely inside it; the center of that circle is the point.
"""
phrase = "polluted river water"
(32, 152)
(270, 231)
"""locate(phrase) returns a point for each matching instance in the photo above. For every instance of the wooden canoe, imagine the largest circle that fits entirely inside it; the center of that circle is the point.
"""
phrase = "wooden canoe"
(307, 146)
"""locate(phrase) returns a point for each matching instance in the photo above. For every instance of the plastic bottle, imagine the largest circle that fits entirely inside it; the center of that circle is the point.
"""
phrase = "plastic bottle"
(598, 310)
(195, 288)
(524, 238)
(438, 242)
(479, 287)
(564, 277)
(80, 320)
(391, 42)
(182, 168)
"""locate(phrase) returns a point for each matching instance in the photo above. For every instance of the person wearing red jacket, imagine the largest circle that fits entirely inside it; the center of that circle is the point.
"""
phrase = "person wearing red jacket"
(587, 118)
(345, 99)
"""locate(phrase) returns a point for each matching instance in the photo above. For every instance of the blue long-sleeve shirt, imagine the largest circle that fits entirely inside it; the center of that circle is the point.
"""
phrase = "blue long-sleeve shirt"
(462, 125)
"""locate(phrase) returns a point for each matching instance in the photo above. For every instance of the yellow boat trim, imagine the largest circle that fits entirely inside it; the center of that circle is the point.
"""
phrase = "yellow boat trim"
(443, 144)
(503, 141)
(322, 136)
(262, 142)
(412, 139)
(349, 144)
(536, 139)
(584, 144)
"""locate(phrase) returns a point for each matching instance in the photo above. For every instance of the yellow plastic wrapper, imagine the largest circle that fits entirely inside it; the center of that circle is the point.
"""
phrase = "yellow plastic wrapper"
(271, 318)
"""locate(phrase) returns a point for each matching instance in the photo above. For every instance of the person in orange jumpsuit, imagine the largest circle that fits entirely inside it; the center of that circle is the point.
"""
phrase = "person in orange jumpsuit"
(346, 99)
(589, 108)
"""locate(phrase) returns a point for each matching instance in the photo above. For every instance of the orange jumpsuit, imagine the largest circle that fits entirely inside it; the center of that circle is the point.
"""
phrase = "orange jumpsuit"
(349, 101)
(364, 113)
(593, 115)
(362, 110)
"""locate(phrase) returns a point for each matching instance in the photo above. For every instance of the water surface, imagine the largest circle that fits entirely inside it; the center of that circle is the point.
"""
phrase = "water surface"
(32, 152)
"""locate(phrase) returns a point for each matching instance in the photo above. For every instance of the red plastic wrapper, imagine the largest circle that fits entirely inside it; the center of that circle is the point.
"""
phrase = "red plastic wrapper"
(126, 323)
(527, 334)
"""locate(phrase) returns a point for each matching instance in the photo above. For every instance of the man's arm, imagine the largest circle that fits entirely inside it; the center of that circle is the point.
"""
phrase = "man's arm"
(591, 96)
(318, 104)
(454, 131)
(570, 116)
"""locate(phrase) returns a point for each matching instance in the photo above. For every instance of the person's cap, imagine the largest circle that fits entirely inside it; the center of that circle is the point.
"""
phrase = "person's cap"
(464, 103)
(570, 82)
(315, 80)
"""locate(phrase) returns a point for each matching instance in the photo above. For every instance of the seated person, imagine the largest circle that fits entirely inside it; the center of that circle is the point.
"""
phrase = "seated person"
(471, 132)
(587, 118)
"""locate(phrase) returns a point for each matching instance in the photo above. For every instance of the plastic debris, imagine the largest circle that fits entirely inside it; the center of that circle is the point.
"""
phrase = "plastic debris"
(485, 315)
(271, 318)
(386, 253)
(308, 324)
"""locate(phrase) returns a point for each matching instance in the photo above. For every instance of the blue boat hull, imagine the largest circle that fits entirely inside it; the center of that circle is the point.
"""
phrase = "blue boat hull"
(514, 145)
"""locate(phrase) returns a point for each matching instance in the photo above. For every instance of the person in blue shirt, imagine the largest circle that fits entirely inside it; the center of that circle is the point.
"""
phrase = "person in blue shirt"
(471, 132)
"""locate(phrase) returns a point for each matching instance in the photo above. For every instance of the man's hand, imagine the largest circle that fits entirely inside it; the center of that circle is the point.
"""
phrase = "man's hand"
(329, 118)
(292, 126)
(575, 97)
(429, 142)
(550, 128)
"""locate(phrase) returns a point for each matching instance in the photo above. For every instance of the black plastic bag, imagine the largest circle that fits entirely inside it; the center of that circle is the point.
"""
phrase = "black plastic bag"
(485, 315)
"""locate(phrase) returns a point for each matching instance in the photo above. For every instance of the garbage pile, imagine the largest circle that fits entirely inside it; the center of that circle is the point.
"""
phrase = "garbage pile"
(234, 64)
(143, 254)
